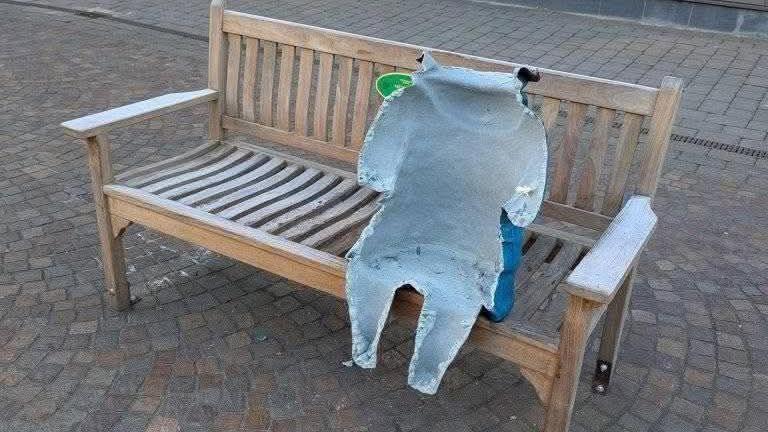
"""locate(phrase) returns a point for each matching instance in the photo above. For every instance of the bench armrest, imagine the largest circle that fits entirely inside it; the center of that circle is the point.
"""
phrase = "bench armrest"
(602, 271)
(96, 124)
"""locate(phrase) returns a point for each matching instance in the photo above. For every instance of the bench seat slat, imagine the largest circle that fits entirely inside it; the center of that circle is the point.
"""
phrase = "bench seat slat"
(306, 210)
(323, 184)
(214, 154)
(165, 163)
(208, 182)
(252, 203)
(540, 286)
(338, 228)
(348, 205)
(238, 194)
(266, 170)
(534, 257)
(231, 159)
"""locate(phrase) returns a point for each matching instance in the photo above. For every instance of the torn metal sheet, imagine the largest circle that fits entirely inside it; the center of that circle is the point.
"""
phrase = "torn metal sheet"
(461, 162)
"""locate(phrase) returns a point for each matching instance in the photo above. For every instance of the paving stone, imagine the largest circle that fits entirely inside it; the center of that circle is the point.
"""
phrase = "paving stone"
(83, 327)
(163, 424)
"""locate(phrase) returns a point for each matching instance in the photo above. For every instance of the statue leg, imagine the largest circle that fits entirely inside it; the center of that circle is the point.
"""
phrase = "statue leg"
(444, 324)
(369, 297)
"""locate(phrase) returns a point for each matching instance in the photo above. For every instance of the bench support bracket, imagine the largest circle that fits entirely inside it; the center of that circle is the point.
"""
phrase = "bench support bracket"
(610, 338)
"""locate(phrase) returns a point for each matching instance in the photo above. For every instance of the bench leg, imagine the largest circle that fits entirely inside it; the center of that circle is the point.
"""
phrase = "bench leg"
(113, 260)
(611, 336)
(573, 341)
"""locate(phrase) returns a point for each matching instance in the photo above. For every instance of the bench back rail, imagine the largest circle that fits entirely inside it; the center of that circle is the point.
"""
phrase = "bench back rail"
(313, 89)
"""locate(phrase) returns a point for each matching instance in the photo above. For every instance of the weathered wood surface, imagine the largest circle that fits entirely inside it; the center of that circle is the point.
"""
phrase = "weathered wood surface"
(294, 217)
(217, 66)
(662, 120)
(101, 123)
(301, 263)
(562, 85)
(234, 48)
(324, 208)
(600, 274)
(578, 320)
(112, 256)
(249, 78)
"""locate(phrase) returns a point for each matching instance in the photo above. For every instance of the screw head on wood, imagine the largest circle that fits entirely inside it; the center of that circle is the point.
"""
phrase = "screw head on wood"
(603, 367)
(600, 388)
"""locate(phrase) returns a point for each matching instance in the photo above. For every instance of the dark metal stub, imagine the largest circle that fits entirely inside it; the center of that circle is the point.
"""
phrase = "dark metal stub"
(602, 377)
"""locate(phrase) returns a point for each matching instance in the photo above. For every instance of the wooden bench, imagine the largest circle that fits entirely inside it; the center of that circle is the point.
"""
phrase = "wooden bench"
(310, 90)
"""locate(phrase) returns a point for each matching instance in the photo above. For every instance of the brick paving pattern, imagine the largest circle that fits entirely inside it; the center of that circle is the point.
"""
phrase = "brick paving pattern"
(217, 345)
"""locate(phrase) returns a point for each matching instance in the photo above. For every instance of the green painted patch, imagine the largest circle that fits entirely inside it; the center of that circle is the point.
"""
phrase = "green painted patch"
(388, 83)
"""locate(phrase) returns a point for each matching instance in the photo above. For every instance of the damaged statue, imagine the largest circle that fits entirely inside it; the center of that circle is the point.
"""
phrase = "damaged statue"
(461, 163)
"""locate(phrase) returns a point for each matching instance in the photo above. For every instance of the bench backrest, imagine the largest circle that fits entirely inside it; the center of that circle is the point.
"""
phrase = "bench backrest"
(313, 88)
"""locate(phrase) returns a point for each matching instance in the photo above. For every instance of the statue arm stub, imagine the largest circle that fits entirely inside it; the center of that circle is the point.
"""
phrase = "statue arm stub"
(382, 153)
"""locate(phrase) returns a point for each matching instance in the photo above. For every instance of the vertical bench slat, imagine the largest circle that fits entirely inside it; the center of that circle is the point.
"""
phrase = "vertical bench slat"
(267, 82)
(379, 70)
(233, 73)
(302, 90)
(625, 150)
(320, 125)
(362, 102)
(216, 68)
(593, 164)
(341, 104)
(566, 152)
(249, 78)
(287, 54)
(550, 107)
(660, 128)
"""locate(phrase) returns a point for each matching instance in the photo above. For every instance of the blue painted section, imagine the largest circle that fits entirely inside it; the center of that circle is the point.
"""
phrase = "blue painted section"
(511, 251)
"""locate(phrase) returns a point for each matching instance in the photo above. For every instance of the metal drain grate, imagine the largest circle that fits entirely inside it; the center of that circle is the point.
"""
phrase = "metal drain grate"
(730, 148)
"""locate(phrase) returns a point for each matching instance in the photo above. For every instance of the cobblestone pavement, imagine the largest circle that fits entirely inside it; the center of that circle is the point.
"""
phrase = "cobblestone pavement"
(217, 345)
